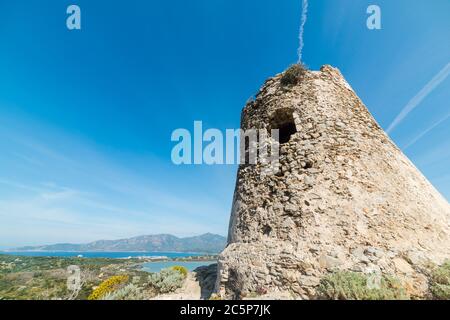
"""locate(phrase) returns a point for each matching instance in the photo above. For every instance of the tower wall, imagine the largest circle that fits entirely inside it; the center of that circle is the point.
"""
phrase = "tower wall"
(346, 198)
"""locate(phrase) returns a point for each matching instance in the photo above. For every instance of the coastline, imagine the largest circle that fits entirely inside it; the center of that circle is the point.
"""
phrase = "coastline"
(146, 257)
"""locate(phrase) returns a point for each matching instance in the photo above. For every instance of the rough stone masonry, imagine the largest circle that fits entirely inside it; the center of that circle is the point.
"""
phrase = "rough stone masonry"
(346, 198)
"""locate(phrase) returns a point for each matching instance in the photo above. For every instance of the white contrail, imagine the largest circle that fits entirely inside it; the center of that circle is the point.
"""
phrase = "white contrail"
(302, 30)
(421, 135)
(414, 102)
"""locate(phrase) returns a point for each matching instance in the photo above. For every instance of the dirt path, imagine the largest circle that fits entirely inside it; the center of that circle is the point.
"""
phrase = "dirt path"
(190, 291)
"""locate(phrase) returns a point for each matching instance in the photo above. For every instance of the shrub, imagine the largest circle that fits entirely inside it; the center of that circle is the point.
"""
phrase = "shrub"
(167, 280)
(261, 291)
(440, 282)
(215, 296)
(346, 285)
(130, 292)
(293, 75)
(181, 270)
(108, 286)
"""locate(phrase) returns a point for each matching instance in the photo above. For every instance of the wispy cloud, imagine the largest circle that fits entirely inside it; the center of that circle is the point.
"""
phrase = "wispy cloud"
(302, 30)
(414, 102)
(437, 154)
(426, 131)
(76, 192)
(60, 214)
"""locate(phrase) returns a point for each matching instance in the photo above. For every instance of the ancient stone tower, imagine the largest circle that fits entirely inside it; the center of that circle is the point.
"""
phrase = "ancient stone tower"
(346, 197)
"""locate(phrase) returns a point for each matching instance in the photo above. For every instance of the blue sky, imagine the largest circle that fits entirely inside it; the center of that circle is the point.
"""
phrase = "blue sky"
(86, 116)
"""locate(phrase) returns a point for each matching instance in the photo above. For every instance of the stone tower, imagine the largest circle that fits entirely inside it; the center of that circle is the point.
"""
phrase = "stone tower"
(346, 198)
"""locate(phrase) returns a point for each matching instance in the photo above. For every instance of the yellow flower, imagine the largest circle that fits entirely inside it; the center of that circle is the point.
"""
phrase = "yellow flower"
(181, 270)
(107, 286)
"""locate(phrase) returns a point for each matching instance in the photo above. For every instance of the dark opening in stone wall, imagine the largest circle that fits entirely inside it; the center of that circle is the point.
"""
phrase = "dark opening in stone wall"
(283, 120)
(286, 131)
(267, 230)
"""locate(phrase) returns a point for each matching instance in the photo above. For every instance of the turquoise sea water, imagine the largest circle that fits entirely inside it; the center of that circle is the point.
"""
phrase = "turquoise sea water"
(159, 265)
(116, 255)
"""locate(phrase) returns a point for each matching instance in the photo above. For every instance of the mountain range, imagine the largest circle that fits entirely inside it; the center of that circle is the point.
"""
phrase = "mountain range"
(206, 243)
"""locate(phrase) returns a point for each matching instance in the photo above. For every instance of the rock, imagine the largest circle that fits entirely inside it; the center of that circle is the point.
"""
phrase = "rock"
(358, 254)
(415, 258)
(288, 224)
(308, 281)
(329, 262)
(373, 254)
(290, 208)
(314, 248)
(402, 266)
(308, 180)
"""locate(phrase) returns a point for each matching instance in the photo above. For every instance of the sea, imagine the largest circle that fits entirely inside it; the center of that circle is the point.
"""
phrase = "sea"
(153, 266)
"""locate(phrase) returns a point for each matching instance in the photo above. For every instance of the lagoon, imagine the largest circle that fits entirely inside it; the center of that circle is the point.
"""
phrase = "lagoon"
(157, 266)
(112, 255)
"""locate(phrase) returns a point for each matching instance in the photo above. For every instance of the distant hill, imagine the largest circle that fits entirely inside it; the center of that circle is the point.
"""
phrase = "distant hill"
(206, 243)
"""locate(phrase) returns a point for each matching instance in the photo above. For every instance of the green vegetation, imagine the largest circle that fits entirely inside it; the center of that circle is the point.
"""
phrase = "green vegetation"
(346, 285)
(167, 280)
(440, 282)
(26, 286)
(130, 292)
(45, 278)
(293, 75)
(13, 264)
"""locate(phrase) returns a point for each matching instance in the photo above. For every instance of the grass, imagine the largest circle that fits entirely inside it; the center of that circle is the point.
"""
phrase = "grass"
(347, 285)
(293, 75)
(440, 282)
